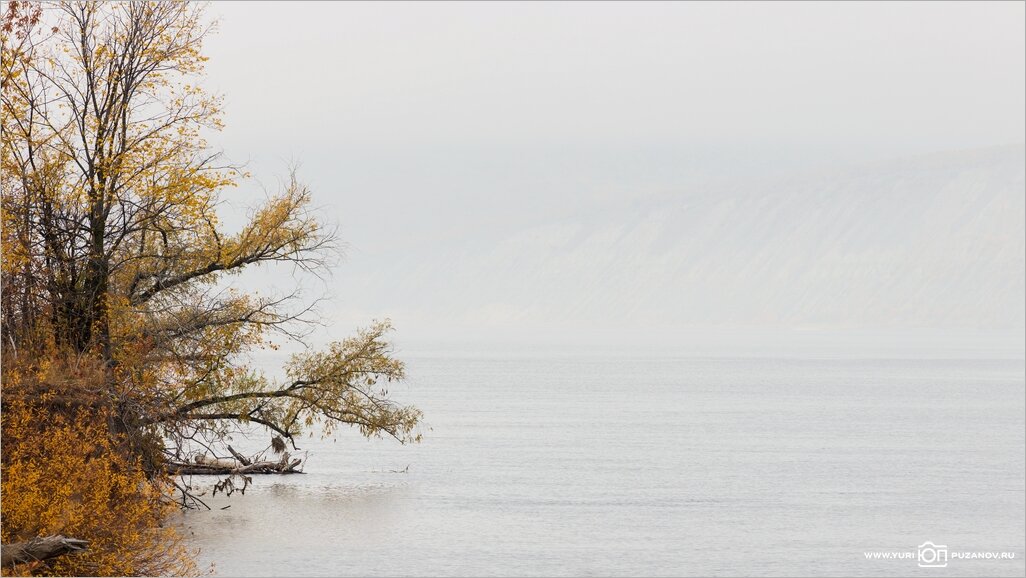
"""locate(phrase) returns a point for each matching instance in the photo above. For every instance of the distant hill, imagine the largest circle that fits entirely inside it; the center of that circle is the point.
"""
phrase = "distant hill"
(931, 242)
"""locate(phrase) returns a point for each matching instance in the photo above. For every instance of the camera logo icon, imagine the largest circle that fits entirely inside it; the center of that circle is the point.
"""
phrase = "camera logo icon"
(933, 555)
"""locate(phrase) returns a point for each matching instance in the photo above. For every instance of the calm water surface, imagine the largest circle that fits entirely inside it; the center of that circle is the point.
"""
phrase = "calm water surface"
(573, 465)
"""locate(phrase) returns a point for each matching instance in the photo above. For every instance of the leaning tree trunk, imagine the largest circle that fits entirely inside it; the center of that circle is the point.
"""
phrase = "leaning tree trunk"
(36, 549)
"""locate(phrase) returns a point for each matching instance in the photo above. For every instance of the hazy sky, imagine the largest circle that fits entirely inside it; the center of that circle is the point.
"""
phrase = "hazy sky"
(893, 77)
(433, 124)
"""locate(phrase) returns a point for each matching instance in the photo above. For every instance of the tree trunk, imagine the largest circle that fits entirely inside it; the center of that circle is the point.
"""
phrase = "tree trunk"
(39, 549)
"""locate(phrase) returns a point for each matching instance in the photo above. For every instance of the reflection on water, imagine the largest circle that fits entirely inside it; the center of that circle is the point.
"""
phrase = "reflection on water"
(652, 467)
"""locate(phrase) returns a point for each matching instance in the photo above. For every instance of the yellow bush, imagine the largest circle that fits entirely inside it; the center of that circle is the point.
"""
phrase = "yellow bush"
(65, 472)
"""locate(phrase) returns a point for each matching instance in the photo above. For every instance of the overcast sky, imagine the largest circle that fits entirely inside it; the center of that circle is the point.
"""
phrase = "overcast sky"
(894, 77)
(420, 122)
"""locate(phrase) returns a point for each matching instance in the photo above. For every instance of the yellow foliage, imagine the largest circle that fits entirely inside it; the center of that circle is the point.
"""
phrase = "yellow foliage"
(65, 472)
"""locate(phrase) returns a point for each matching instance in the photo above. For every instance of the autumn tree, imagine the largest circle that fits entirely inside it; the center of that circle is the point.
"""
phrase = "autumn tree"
(113, 252)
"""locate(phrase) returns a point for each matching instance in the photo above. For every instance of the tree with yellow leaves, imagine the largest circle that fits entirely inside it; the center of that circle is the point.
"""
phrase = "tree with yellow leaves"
(113, 257)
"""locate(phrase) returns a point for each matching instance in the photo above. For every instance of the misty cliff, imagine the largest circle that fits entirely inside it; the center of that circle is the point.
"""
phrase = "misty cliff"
(928, 242)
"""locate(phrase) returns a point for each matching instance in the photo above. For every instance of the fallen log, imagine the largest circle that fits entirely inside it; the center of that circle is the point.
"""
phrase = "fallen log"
(223, 467)
(42, 548)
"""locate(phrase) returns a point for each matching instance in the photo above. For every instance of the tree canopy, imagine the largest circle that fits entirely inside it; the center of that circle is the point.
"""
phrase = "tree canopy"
(114, 255)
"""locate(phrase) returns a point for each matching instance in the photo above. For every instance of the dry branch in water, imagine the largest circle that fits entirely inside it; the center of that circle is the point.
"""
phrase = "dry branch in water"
(239, 466)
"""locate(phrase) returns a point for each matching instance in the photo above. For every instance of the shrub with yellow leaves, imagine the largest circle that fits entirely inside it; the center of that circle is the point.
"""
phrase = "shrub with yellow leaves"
(66, 472)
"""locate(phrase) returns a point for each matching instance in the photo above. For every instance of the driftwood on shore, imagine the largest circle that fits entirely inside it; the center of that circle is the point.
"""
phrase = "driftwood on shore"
(239, 465)
(41, 548)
